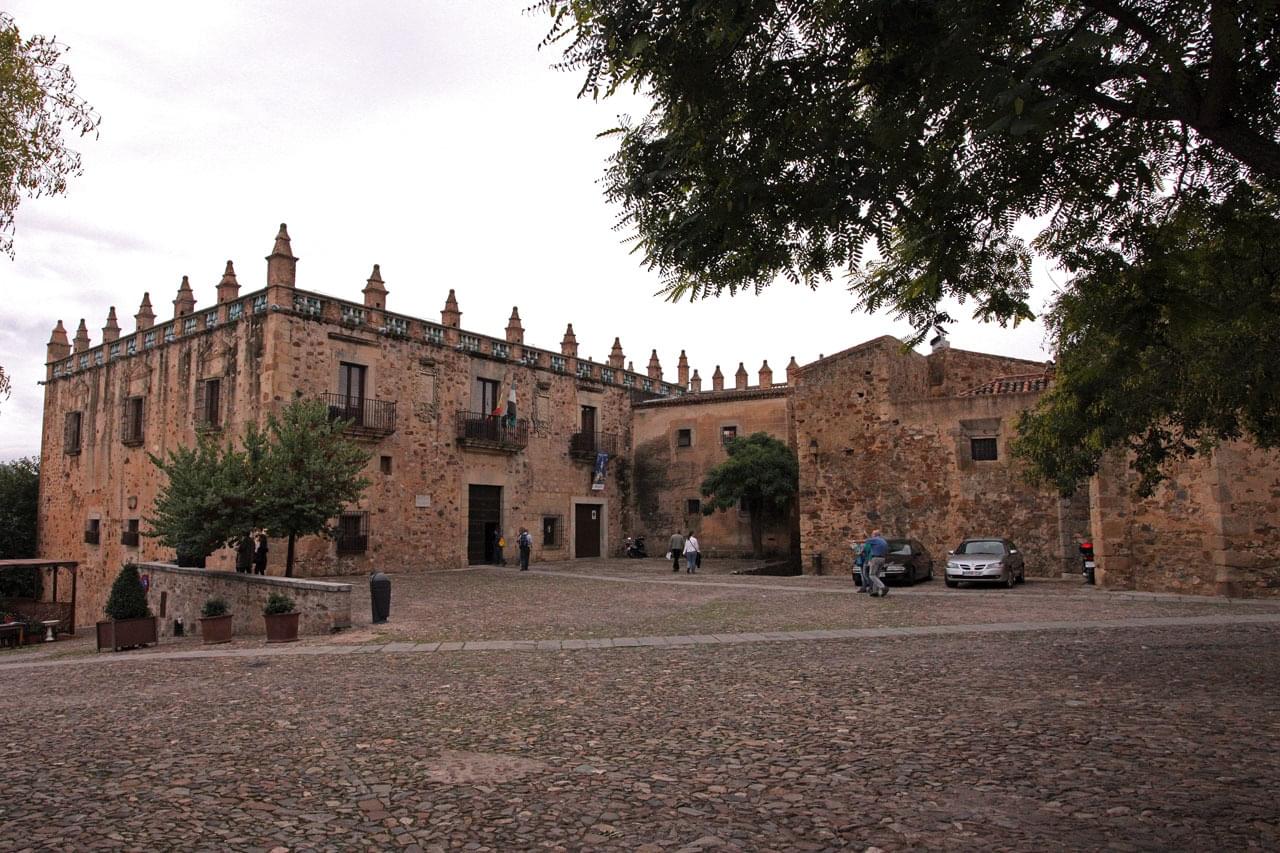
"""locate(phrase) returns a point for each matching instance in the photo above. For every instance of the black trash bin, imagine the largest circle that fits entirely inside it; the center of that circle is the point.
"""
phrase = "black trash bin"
(380, 597)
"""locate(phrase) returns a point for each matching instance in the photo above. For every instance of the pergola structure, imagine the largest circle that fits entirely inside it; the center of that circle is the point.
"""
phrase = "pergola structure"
(53, 608)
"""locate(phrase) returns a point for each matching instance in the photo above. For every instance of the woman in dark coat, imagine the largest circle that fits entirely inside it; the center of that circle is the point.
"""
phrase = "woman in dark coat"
(260, 555)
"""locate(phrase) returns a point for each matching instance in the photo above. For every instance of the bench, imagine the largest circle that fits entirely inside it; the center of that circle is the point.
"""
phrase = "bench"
(12, 634)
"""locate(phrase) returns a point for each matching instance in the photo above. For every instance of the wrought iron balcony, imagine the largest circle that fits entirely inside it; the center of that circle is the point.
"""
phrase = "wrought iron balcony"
(365, 416)
(492, 432)
(585, 445)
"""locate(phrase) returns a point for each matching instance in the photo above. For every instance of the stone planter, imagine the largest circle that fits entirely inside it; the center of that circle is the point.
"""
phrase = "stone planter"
(282, 627)
(215, 629)
(117, 634)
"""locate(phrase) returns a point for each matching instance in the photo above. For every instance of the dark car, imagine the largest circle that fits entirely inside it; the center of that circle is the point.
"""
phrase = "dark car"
(908, 561)
(986, 559)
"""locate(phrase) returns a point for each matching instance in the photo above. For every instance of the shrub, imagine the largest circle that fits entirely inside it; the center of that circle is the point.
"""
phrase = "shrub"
(127, 600)
(214, 607)
(278, 603)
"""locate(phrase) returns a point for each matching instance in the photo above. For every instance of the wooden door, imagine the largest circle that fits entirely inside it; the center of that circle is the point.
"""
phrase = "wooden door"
(484, 516)
(587, 522)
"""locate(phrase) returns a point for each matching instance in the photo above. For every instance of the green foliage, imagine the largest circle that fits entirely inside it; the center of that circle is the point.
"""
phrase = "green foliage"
(761, 474)
(278, 603)
(127, 599)
(19, 505)
(214, 607)
(310, 472)
(38, 100)
(787, 137)
(289, 479)
(1169, 351)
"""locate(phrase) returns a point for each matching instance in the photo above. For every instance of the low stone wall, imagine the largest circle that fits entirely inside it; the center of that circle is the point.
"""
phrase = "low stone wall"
(179, 593)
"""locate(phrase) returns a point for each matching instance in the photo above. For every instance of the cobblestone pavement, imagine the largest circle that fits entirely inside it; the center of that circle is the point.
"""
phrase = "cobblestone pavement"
(955, 736)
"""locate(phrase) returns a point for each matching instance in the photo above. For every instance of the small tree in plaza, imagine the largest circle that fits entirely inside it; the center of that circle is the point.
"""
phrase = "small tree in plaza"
(310, 471)
(191, 509)
(128, 600)
(761, 474)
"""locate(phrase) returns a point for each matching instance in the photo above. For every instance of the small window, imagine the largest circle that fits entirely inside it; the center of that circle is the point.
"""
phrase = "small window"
(131, 428)
(130, 535)
(728, 434)
(982, 449)
(386, 464)
(353, 533)
(551, 531)
(92, 531)
(684, 438)
(71, 433)
(209, 404)
(693, 506)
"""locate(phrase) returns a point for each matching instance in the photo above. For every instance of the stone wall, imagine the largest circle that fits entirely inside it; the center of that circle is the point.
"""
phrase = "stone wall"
(1211, 528)
(667, 475)
(180, 593)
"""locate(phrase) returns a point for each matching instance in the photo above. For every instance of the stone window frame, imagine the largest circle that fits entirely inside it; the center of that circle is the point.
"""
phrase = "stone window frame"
(352, 534)
(683, 437)
(93, 530)
(693, 506)
(990, 449)
(970, 430)
(133, 420)
(384, 464)
(209, 416)
(552, 530)
(726, 427)
(130, 535)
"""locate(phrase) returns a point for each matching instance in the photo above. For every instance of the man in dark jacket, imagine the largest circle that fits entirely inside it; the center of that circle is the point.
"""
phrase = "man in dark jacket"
(244, 554)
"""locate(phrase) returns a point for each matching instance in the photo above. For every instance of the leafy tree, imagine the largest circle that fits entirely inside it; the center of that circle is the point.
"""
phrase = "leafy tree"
(38, 100)
(761, 474)
(127, 599)
(19, 507)
(5, 384)
(310, 472)
(785, 137)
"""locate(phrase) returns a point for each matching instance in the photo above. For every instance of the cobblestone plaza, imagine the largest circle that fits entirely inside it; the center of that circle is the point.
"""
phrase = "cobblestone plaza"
(616, 706)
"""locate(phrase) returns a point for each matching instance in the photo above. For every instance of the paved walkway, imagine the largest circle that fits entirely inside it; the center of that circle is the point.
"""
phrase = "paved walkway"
(557, 645)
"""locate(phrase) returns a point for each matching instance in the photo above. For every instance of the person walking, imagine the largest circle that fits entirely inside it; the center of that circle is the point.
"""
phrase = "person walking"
(862, 556)
(244, 554)
(260, 555)
(675, 547)
(499, 543)
(691, 553)
(525, 543)
(875, 570)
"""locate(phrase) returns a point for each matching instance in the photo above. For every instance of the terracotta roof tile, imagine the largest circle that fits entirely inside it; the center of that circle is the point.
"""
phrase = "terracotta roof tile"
(1018, 383)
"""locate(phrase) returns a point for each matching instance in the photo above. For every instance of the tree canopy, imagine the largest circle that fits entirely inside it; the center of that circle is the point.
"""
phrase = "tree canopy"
(19, 507)
(38, 102)
(761, 474)
(786, 138)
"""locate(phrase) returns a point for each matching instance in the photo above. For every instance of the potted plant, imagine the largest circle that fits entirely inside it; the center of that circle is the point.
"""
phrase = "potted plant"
(281, 619)
(129, 622)
(215, 622)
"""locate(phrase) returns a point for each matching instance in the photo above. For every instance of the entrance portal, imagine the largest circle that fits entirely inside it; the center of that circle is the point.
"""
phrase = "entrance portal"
(484, 519)
(587, 520)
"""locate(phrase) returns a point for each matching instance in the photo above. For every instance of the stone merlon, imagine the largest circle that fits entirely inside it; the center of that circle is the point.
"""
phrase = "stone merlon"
(282, 265)
(375, 293)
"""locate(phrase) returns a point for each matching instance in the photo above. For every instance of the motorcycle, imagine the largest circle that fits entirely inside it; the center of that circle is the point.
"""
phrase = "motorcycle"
(634, 547)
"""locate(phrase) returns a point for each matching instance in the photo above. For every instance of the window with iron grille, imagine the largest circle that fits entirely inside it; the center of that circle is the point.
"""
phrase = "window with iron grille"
(209, 404)
(693, 506)
(353, 533)
(71, 433)
(728, 434)
(684, 438)
(130, 534)
(982, 449)
(131, 424)
(558, 363)
(551, 531)
(92, 531)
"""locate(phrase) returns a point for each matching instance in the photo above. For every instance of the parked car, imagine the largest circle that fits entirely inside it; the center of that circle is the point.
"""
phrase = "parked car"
(908, 561)
(986, 560)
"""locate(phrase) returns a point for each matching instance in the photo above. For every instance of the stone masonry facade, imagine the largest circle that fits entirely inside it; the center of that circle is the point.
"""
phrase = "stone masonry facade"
(471, 434)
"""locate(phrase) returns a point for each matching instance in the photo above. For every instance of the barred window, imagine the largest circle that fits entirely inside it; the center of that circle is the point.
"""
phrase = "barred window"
(684, 438)
(353, 533)
(551, 531)
(982, 449)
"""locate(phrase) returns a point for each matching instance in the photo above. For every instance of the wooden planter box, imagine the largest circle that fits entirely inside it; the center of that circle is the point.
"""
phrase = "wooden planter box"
(127, 633)
(215, 629)
(281, 627)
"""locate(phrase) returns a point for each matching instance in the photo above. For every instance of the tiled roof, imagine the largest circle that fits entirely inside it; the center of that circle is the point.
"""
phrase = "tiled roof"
(778, 389)
(1018, 383)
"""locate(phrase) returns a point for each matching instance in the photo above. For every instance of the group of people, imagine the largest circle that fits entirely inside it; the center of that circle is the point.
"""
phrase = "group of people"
(869, 565)
(251, 554)
(524, 543)
(686, 548)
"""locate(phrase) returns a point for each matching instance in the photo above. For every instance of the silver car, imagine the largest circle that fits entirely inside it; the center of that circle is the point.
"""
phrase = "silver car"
(986, 560)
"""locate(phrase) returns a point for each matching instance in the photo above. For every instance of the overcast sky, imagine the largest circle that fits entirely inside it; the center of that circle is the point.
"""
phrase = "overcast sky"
(430, 137)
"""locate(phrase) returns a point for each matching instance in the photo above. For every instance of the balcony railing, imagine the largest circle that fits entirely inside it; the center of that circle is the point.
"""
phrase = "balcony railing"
(585, 445)
(367, 417)
(492, 432)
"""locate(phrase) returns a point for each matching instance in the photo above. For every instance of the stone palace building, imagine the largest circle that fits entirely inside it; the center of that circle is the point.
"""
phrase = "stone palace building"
(914, 444)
